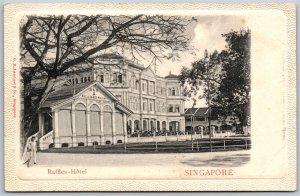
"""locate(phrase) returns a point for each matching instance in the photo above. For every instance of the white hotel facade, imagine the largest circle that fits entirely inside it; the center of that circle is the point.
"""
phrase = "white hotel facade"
(107, 101)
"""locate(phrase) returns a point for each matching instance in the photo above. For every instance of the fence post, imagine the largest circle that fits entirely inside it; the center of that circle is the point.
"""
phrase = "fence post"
(224, 144)
(197, 146)
(155, 146)
(138, 138)
(246, 143)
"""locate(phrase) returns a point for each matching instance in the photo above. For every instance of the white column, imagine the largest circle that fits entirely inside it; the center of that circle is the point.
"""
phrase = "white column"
(41, 123)
(101, 129)
(125, 127)
(201, 131)
(182, 125)
(55, 129)
(88, 127)
(113, 126)
(74, 141)
(213, 131)
(132, 125)
(167, 125)
(149, 124)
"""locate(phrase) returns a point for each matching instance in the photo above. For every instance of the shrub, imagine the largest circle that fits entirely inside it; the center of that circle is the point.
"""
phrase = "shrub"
(64, 145)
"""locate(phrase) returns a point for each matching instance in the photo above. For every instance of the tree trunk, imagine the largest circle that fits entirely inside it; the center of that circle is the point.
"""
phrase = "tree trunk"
(31, 107)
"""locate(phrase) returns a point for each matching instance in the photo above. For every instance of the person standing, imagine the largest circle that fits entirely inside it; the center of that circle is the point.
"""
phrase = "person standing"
(31, 151)
(33, 148)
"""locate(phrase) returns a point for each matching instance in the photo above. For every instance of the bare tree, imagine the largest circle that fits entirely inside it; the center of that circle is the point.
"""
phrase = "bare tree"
(51, 45)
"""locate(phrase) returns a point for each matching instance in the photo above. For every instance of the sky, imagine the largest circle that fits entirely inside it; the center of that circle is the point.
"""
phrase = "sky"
(205, 34)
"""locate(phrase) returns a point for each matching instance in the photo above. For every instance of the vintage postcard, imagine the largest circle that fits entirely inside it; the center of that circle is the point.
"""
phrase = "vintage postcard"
(150, 97)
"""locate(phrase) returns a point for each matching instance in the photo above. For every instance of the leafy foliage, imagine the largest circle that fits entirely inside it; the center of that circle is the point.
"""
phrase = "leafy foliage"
(224, 77)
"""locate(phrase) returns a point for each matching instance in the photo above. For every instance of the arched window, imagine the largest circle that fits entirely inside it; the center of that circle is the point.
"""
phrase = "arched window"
(137, 85)
(119, 141)
(85, 79)
(136, 125)
(80, 119)
(76, 81)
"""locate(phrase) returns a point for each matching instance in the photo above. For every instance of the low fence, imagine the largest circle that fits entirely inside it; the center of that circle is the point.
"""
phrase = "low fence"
(198, 145)
(217, 144)
(175, 137)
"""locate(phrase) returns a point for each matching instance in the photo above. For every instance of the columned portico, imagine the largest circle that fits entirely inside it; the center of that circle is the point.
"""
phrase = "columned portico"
(91, 117)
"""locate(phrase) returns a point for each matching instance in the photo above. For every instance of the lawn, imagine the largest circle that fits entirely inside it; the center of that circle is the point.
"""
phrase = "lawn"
(201, 145)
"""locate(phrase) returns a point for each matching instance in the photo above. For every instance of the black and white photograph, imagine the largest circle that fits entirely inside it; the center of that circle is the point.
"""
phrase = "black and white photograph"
(133, 94)
(135, 85)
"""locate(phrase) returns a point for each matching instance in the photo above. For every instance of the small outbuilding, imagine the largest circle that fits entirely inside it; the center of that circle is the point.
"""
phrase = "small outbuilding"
(83, 114)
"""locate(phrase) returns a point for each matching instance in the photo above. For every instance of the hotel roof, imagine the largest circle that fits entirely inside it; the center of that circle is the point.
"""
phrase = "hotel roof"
(64, 93)
(200, 112)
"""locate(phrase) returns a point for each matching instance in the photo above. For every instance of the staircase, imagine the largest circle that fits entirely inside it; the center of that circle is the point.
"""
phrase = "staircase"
(46, 140)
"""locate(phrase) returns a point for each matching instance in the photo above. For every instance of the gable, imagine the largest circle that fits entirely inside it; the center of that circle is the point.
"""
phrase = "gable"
(89, 90)
(148, 72)
(94, 92)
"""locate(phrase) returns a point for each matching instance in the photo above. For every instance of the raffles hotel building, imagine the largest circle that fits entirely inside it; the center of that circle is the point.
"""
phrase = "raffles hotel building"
(107, 101)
